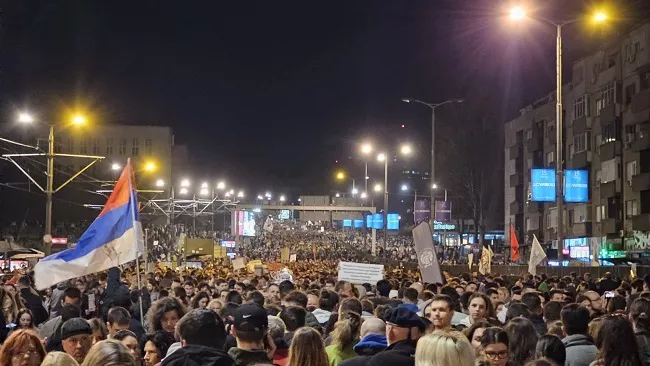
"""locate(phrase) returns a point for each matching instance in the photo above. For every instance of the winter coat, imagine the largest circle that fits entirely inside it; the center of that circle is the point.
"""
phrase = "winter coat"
(400, 353)
(244, 357)
(369, 346)
(580, 350)
(35, 305)
(57, 297)
(643, 343)
(193, 355)
(336, 355)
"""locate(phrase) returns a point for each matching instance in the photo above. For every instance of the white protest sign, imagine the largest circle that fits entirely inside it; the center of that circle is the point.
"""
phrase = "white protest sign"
(360, 272)
(292, 258)
(238, 264)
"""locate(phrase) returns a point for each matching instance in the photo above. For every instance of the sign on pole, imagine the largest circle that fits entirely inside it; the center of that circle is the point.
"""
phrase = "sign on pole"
(360, 272)
(427, 258)
(443, 211)
(421, 211)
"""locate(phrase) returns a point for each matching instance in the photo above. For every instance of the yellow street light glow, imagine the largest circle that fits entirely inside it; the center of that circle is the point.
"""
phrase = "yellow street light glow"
(381, 157)
(600, 17)
(340, 175)
(150, 166)
(79, 120)
(185, 183)
(517, 13)
(406, 149)
(221, 185)
(25, 118)
(366, 148)
(160, 183)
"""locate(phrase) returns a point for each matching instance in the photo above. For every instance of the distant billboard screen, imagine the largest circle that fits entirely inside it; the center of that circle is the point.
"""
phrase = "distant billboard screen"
(543, 185)
(246, 223)
(393, 221)
(230, 245)
(347, 223)
(358, 224)
(369, 221)
(378, 221)
(576, 186)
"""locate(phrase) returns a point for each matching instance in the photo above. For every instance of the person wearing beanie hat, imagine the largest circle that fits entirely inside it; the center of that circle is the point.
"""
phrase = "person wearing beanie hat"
(77, 338)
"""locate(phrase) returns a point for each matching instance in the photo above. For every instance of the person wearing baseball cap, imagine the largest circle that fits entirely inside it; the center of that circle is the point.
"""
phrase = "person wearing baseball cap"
(251, 330)
(403, 328)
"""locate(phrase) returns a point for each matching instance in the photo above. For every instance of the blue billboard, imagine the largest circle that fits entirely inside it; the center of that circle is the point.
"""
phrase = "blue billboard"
(369, 221)
(393, 221)
(576, 186)
(443, 211)
(347, 223)
(543, 185)
(358, 224)
(378, 221)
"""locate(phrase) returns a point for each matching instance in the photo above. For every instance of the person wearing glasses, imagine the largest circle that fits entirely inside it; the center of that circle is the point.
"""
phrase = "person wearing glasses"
(23, 347)
(494, 346)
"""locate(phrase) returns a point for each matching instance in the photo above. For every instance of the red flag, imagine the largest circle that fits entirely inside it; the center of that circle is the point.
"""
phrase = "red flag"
(514, 245)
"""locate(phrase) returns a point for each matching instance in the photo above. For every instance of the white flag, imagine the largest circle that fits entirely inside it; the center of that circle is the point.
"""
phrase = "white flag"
(537, 255)
(470, 259)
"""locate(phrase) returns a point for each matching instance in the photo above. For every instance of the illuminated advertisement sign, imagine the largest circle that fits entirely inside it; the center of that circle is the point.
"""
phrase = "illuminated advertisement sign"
(369, 221)
(543, 185)
(443, 211)
(358, 224)
(230, 248)
(245, 223)
(378, 221)
(347, 223)
(393, 221)
(578, 247)
(576, 186)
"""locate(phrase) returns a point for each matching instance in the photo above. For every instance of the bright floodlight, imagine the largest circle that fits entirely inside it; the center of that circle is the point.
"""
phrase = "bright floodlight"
(221, 185)
(204, 185)
(434, 186)
(517, 13)
(268, 195)
(404, 187)
(355, 191)
(25, 118)
(406, 100)
(240, 194)
(259, 197)
(406, 149)
(340, 175)
(282, 198)
(227, 194)
(185, 183)
(116, 167)
(600, 16)
(364, 195)
(183, 190)
(203, 192)
(79, 120)
(366, 148)
(338, 195)
(377, 188)
(381, 157)
(150, 166)
(160, 183)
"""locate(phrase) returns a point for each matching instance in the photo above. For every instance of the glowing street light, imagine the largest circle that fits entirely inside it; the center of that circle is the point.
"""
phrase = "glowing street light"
(366, 148)
(259, 197)
(517, 13)
(377, 187)
(354, 191)
(240, 194)
(203, 192)
(434, 186)
(79, 120)
(160, 183)
(405, 187)
(204, 185)
(406, 150)
(183, 191)
(116, 167)
(227, 194)
(364, 195)
(268, 195)
(221, 185)
(381, 157)
(340, 175)
(25, 118)
(150, 167)
(600, 17)
(185, 183)
(282, 198)
(337, 195)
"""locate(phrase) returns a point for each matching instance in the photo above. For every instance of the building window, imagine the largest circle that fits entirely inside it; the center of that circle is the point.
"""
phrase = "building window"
(630, 171)
(550, 157)
(135, 150)
(611, 59)
(631, 208)
(599, 177)
(600, 213)
(148, 145)
(630, 90)
(608, 133)
(548, 221)
(529, 134)
(581, 142)
(109, 146)
(580, 107)
(83, 147)
(122, 149)
(96, 147)
(607, 96)
(70, 146)
(550, 128)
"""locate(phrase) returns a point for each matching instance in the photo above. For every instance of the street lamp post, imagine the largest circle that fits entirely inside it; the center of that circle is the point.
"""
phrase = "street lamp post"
(433, 107)
(517, 14)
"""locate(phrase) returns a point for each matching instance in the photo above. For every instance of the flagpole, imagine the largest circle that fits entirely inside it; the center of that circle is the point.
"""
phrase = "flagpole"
(137, 255)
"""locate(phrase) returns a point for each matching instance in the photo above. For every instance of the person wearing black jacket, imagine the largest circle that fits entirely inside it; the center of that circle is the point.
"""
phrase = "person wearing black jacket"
(32, 301)
(114, 289)
(373, 341)
(203, 335)
(403, 329)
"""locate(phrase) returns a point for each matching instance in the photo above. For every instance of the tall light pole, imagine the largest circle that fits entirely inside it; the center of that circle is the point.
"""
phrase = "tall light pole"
(433, 107)
(366, 149)
(518, 13)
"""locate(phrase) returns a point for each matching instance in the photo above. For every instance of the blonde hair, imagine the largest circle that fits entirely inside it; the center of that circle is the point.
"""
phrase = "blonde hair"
(307, 349)
(59, 359)
(444, 349)
(346, 330)
(109, 353)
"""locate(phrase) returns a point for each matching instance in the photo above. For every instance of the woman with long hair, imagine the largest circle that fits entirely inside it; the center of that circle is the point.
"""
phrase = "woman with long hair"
(444, 349)
(523, 340)
(23, 347)
(99, 329)
(307, 349)
(613, 342)
(480, 308)
(154, 347)
(344, 336)
(494, 346)
(164, 314)
(9, 306)
(475, 333)
(201, 300)
(24, 319)
(640, 318)
(109, 353)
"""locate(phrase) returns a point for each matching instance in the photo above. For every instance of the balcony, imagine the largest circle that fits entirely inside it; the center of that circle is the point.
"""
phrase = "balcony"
(516, 207)
(641, 102)
(610, 226)
(641, 222)
(610, 189)
(581, 125)
(610, 150)
(516, 179)
(608, 114)
(641, 142)
(581, 229)
(533, 144)
(535, 207)
(641, 182)
(515, 152)
(580, 160)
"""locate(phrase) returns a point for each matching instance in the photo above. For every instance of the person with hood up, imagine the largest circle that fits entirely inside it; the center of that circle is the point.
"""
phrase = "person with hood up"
(203, 335)
(373, 341)
(114, 289)
(55, 300)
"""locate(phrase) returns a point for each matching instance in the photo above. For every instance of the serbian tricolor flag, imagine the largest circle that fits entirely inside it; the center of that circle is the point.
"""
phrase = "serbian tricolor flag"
(114, 238)
(514, 245)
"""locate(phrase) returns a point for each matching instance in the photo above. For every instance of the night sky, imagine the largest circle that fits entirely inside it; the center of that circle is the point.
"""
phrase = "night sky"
(272, 93)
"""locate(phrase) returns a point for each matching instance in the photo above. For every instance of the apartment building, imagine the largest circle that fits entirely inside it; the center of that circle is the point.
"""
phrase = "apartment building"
(606, 132)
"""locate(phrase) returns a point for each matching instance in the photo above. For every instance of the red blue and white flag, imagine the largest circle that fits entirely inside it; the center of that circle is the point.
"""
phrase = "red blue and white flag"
(114, 238)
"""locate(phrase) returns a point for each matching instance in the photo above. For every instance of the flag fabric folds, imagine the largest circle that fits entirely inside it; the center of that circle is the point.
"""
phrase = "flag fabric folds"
(537, 255)
(514, 245)
(485, 262)
(114, 238)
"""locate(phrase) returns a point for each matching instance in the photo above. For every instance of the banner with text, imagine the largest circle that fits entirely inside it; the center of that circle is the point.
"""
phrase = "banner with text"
(427, 258)
(360, 272)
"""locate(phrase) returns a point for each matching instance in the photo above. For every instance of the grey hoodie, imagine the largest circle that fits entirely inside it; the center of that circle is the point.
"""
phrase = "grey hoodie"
(57, 297)
(580, 350)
